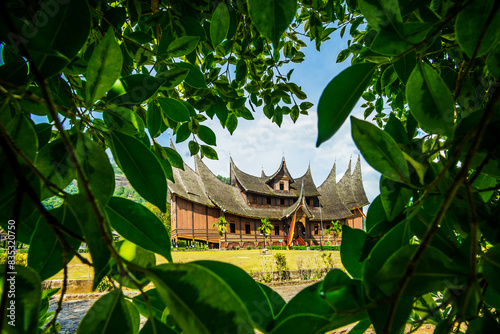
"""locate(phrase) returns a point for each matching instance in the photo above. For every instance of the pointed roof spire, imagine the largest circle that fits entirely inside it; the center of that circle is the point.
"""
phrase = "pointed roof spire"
(345, 189)
(281, 168)
(307, 181)
(357, 185)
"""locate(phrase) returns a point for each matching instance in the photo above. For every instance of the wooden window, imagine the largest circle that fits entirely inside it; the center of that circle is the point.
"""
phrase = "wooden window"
(282, 186)
(247, 228)
(254, 198)
(269, 201)
(232, 227)
(276, 230)
(316, 229)
(282, 201)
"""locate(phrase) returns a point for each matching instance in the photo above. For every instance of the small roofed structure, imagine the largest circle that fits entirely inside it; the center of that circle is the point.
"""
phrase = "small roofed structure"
(299, 210)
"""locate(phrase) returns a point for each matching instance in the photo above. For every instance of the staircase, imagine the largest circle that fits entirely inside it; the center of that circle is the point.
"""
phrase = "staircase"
(300, 241)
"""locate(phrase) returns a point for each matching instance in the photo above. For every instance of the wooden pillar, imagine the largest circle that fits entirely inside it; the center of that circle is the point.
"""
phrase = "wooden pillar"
(206, 216)
(241, 236)
(255, 227)
(192, 219)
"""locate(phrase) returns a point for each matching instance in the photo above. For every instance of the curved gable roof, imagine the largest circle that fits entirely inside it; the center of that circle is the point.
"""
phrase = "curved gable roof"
(332, 207)
(345, 189)
(228, 198)
(357, 185)
(306, 183)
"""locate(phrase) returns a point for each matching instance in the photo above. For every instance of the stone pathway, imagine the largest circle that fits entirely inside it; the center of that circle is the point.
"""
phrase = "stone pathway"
(75, 307)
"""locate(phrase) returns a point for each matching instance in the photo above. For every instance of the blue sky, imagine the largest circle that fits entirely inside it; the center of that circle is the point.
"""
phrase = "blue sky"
(261, 144)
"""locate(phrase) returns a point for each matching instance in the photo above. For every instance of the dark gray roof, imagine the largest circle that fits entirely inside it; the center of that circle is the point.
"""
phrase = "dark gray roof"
(306, 181)
(255, 184)
(332, 207)
(357, 185)
(345, 190)
(281, 169)
(228, 198)
(189, 185)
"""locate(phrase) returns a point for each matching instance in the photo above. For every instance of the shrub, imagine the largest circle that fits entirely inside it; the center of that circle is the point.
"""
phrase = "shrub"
(19, 258)
(249, 247)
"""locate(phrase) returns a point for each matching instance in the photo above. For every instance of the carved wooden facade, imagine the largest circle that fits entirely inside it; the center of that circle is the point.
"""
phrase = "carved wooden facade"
(198, 198)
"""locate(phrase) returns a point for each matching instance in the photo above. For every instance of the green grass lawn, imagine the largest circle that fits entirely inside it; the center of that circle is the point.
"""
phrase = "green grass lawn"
(248, 260)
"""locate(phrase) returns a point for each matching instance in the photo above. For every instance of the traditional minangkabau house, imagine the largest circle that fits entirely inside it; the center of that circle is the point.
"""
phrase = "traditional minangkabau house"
(298, 209)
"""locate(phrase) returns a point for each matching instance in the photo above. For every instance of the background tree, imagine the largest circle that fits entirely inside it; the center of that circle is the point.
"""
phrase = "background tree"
(116, 75)
(334, 230)
(221, 228)
(265, 228)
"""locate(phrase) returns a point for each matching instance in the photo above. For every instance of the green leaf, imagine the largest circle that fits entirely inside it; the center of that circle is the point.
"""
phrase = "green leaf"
(318, 317)
(22, 131)
(484, 181)
(124, 120)
(157, 304)
(62, 36)
(430, 100)
(380, 150)
(393, 43)
(231, 123)
(209, 152)
(194, 78)
(379, 315)
(490, 266)
(104, 68)
(470, 27)
(493, 62)
(174, 109)
(97, 168)
(395, 197)
(207, 135)
(272, 17)
(258, 304)
(376, 214)
(163, 159)
(182, 46)
(241, 70)
(43, 132)
(219, 25)
(183, 133)
(405, 65)
(339, 98)
(351, 250)
(133, 253)
(154, 119)
(16, 73)
(397, 237)
(396, 129)
(194, 148)
(174, 158)
(159, 326)
(89, 225)
(380, 13)
(109, 314)
(27, 295)
(219, 108)
(46, 252)
(173, 77)
(433, 272)
(136, 223)
(54, 163)
(194, 306)
(134, 89)
(141, 168)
